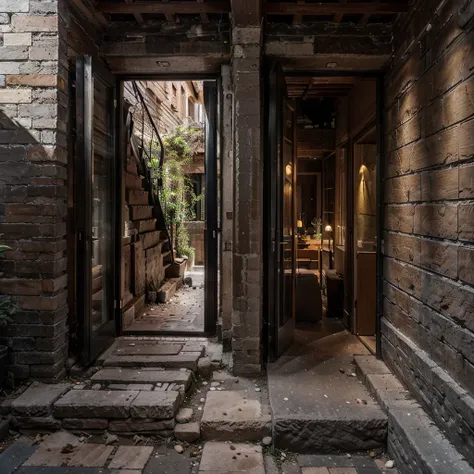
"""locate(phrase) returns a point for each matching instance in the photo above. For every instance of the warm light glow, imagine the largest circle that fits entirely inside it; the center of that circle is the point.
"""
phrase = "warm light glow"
(299, 223)
(288, 170)
(328, 228)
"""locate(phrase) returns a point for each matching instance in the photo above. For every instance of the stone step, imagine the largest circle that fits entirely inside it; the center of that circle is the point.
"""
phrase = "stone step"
(185, 361)
(150, 239)
(137, 196)
(322, 409)
(118, 404)
(168, 289)
(145, 225)
(141, 212)
(146, 375)
(235, 416)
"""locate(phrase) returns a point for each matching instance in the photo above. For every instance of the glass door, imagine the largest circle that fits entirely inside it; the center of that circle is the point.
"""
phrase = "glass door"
(280, 216)
(95, 206)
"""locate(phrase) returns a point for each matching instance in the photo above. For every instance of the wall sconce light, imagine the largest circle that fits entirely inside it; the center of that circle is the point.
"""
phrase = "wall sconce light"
(288, 170)
(328, 228)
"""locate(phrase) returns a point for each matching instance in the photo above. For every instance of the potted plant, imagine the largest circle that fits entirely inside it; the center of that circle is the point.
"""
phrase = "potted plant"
(8, 308)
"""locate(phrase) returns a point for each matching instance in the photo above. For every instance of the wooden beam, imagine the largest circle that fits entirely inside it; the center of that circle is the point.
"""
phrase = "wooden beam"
(246, 12)
(137, 16)
(338, 16)
(298, 19)
(308, 88)
(334, 8)
(204, 17)
(211, 6)
(170, 18)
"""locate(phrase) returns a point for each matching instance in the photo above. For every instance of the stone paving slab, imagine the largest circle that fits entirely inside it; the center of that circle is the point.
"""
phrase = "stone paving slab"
(131, 457)
(187, 361)
(91, 455)
(225, 458)
(157, 405)
(168, 462)
(235, 416)
(38, 399)
(16, 454)
(149, 349)
(129, 375)
(52, 452)
(340, 461)
(95, 404)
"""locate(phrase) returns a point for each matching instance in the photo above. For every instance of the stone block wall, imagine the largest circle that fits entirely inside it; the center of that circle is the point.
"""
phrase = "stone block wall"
(33, 173)
(428, 325)
(196, 236)
(247, 265)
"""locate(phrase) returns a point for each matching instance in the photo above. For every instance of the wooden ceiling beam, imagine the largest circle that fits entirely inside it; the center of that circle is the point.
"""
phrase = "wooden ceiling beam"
(334, 8)
(170, 18)
(210, 6)
(298, 19)
(137, 16)
(338, 16)
(204, 17)
(247, 12)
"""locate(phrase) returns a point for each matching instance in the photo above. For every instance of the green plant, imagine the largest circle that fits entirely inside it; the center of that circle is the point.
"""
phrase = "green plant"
(8, 305)
(176, 194)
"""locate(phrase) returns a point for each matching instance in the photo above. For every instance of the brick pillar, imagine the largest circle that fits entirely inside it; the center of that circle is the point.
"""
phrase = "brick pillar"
(248, 202)
(33, 175)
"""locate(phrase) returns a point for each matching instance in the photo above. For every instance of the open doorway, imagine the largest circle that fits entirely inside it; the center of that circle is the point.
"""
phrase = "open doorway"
(333, 229)
(169, 259)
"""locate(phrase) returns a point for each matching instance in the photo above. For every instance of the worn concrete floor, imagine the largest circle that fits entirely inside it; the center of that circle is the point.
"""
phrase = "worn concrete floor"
(183, 313)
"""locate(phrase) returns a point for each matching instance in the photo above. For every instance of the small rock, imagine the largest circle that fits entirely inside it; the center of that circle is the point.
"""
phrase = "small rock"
(342, 371)
(361, 402)
(285, 399)
(372, 454)
(96, 386)
(353, 374)
(257, 389)
(179, 449)
(215, 384)
(236, 380)
(67, 449)
(348, 456)
(110, 438)
(188, 281)
(184, 415)
(204, 367)
(389, 464)
(202, 400)
(232, 447)
(212, 389)
(267, 441)
(205, 383)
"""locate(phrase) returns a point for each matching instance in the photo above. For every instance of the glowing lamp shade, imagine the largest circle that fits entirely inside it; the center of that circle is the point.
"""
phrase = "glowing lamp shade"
(299, 223)
(328, 228)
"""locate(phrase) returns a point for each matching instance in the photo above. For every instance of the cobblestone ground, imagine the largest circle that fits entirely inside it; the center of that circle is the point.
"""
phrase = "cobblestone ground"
(64, 453)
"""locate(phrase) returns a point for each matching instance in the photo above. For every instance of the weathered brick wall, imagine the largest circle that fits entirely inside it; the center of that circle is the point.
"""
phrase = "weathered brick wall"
(428, 321)
(33, 175)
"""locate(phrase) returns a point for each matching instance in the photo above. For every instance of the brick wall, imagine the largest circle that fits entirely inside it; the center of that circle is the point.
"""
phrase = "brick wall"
(428, 326)
(33, 175)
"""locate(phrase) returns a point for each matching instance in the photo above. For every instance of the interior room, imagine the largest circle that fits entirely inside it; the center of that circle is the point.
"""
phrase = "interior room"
(335, 196)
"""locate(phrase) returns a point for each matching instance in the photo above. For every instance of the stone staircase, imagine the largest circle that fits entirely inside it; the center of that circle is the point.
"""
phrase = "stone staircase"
(139, 387)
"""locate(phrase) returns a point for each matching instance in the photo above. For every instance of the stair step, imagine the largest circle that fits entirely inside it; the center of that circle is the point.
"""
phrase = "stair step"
(186, 361)
(141, 212)
(150, 239)
(169, 288)
(146, 375)
(132, 181)
(137, 196)
(146, 225)
(118, 404)
(235, 416)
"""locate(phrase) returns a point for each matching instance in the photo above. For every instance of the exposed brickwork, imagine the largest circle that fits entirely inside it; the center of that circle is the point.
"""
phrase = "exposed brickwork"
(428, 243)
(248, 202)
(33, 213)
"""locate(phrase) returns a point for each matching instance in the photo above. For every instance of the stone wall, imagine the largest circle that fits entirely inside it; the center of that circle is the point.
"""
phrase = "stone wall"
(248, 202)
(196, 236)
(33, 173)
(428, 325)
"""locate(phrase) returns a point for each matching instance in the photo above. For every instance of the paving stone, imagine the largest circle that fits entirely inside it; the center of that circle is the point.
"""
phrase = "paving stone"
(131, 457)
(149, 349)
(131, 425)
(271, 466)
(91, 455)
(95, 404)
(184, 415)
(189, 432)
(156, 405)
(335, 470)
(47, 423)
(290, 467)
(151, 376)
(315, 470)
(322, 460)
(234, 416)
(38, 399)
(370, 365)
(16, 454)
(188, 361)
(168, 462)
(85, 423)
(220, 458)
(140, 386)
(49, 452)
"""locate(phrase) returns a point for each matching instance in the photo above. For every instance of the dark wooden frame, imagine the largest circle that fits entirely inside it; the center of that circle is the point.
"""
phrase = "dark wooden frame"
(90, 344)
(211, 281)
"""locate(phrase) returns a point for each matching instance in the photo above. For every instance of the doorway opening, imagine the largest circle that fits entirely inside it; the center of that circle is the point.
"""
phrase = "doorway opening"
(321, 197)
(169, 260)
(145, 168)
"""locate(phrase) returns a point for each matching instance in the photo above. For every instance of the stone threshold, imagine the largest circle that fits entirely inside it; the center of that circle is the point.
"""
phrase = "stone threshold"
(414, 441)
